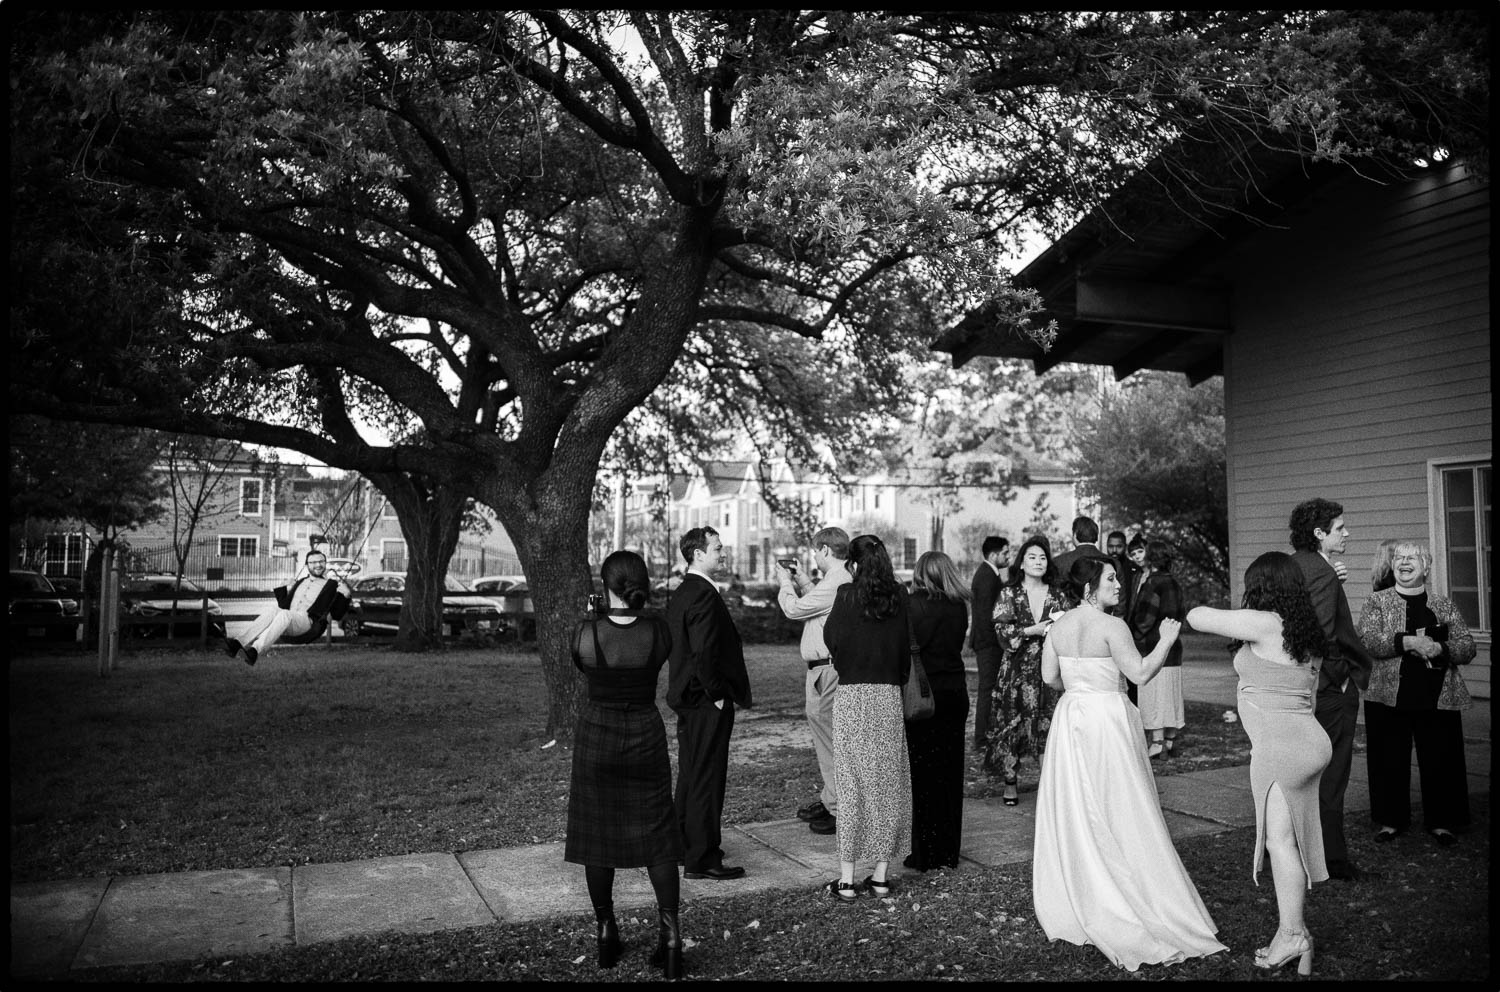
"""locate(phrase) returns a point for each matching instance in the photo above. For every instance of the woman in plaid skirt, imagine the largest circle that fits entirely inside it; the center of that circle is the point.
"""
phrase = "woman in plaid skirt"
(620, 812)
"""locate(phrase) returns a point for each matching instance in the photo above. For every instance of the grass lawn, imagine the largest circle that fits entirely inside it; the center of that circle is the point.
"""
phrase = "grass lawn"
(181, 761)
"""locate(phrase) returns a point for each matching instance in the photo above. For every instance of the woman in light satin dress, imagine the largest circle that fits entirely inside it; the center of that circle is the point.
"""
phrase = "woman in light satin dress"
(1104, 871)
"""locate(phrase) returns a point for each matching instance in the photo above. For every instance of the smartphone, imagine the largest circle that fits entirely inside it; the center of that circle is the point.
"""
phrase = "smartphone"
(790, 564)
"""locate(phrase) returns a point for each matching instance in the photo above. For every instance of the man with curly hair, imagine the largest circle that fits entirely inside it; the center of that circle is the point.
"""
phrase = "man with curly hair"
(1317, 534)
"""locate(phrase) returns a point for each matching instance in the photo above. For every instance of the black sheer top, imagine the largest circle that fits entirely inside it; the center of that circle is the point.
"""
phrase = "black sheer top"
(623, 664)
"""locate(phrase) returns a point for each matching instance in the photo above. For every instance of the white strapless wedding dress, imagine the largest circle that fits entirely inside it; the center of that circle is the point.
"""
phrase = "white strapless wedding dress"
(1104, 871)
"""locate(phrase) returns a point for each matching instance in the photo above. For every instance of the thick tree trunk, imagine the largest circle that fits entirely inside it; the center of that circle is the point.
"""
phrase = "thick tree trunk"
(430, 522)
(553, 547)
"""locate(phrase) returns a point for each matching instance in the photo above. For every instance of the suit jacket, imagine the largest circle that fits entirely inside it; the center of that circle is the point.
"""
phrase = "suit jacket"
(985, 589)
(1063, 563)
(329, 603)
(708, 660)
(1383, 619)
(1345, 656)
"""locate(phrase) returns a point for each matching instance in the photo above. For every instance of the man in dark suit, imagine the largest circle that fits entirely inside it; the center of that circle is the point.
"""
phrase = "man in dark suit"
(706, 679)
(1085, 542)
(310, 600)
(1318, 533)
(985, 587)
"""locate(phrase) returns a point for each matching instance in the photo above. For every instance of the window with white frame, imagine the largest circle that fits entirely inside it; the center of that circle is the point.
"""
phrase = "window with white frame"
(388, 511)
(250, 497)
(1462, 497)
(236, 546)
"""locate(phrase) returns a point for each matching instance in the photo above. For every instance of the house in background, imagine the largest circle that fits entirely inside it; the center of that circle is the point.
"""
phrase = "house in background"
(1350, 319)
(252, 522)
(730, 497)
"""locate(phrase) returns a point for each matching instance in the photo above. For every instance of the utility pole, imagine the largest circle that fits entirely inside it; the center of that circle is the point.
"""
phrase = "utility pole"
(620, 512)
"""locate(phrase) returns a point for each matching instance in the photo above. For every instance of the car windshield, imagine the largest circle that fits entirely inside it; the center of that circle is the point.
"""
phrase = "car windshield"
(22, 582)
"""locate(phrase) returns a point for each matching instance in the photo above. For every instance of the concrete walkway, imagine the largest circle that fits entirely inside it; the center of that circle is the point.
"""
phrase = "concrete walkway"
(59, 926)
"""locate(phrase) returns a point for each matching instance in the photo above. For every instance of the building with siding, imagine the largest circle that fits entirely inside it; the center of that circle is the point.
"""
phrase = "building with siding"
(1350, 319)
(256, 520)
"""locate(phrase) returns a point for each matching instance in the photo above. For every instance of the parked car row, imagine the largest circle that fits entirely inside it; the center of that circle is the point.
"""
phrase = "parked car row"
(38, 609)
(376, 607)
(150, 597)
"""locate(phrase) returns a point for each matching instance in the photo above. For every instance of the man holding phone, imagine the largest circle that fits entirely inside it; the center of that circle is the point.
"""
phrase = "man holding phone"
(802, 600)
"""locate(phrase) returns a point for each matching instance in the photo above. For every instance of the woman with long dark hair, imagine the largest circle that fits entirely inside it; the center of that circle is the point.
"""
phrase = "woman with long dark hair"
(867, 634)
(1104, 871)
(620, 812)
(1024, 612)
(939, 610)
(1278, 645)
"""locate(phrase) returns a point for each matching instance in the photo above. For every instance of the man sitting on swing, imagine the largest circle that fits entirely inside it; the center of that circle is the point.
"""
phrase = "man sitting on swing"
(301, 612)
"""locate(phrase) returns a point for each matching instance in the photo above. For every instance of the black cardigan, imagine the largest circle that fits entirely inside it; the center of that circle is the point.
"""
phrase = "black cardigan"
(939, 625)
(865, 651)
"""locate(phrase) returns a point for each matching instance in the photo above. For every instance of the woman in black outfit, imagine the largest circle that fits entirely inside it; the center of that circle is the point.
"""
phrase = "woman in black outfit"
(939, 612)
(620, 812)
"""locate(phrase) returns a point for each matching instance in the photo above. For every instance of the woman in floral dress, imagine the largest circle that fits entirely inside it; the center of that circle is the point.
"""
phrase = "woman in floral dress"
(1023, 705)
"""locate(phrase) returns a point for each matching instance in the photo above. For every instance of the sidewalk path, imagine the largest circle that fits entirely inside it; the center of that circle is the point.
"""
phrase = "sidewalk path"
(140, 919)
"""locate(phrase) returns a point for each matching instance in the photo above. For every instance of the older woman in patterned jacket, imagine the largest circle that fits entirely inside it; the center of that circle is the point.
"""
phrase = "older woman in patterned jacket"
(1418, 640)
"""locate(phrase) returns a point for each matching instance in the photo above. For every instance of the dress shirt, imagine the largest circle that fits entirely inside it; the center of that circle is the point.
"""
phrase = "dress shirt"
(812, 607)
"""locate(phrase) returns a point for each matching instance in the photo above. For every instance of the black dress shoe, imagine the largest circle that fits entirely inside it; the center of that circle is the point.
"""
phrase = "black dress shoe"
(912, 863)
(249, 654)
(1445, 838)
(231, 647)
(1386, 834)
(720, 874)
(824, 825)
(814, 810)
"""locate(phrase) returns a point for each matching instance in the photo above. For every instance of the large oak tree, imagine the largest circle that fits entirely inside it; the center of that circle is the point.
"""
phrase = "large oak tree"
(504, 231)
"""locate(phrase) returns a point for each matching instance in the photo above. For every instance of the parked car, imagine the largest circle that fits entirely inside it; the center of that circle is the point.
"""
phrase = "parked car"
(67, 586)
(493, 585)
(376, 607)
(38, 610)
(343, 568)
(515, 596)
(149, 597)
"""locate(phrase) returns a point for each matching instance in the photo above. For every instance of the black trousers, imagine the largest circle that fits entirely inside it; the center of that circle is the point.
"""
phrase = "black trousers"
(987, 661)
(935, 747)
(702, 774)
(1338, 713)
(1439, 738)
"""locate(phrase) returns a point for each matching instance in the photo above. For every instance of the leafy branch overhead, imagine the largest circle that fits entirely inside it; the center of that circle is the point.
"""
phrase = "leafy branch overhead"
(458, 250)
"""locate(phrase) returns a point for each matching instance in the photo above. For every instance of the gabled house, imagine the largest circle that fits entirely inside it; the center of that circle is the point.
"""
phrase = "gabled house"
(729, 496)
(1350, 319)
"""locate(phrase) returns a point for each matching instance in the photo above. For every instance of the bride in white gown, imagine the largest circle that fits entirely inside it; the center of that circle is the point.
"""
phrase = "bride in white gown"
(1104, 871)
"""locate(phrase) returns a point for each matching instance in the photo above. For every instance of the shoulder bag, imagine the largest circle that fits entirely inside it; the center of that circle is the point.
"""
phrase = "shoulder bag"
(916, 696)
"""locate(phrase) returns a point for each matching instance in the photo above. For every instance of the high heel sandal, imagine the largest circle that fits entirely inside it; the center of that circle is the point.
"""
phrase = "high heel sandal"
(1010, 796)
(1302, 949)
